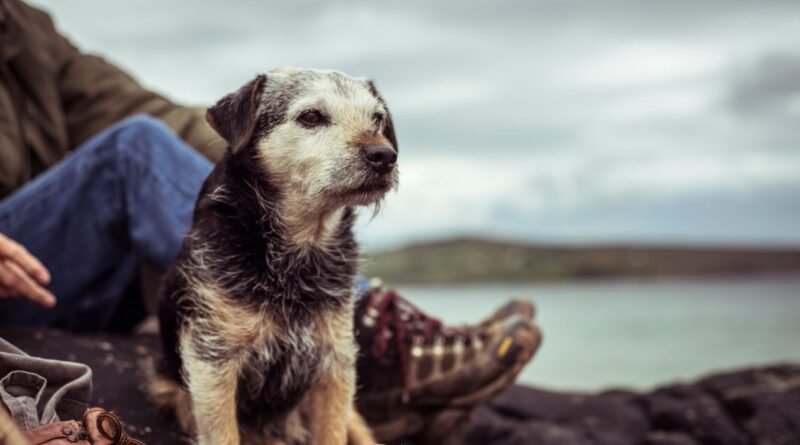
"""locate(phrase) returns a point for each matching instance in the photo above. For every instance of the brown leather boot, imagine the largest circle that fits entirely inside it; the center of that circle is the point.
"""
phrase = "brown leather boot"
(420, 379)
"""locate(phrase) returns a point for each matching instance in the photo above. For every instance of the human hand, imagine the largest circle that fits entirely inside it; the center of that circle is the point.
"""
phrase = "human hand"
(22, 275)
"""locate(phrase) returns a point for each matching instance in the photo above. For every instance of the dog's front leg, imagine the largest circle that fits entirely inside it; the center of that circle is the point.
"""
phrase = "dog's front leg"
(330, 405)
(358, 431)
(212, 385)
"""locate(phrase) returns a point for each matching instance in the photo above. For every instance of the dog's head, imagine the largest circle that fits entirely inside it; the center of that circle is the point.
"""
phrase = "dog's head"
(322, 137)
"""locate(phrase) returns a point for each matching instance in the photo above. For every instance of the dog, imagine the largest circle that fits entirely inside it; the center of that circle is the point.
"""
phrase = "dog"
(256, 315)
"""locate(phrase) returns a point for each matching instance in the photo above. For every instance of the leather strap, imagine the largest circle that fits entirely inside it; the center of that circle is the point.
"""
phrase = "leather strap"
(105, 428)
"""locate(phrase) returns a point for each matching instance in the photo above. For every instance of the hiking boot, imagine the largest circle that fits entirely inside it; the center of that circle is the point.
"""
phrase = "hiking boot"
(523, 309)
(420, 379)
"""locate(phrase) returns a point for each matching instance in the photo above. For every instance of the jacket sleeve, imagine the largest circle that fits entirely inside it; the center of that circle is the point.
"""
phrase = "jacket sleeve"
(96, 94)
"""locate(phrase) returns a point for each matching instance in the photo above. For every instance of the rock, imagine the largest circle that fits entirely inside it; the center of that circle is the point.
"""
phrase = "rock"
(755, 406)
(609, 419)
(749, 407)
(690, 410)
(764, 402)
(493, 428)
(662, 438)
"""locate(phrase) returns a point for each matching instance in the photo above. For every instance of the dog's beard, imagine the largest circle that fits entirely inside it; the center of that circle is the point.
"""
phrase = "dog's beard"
(362, 187)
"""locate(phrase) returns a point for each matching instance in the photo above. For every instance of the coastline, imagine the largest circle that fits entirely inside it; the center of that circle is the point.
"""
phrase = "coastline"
(477, 260)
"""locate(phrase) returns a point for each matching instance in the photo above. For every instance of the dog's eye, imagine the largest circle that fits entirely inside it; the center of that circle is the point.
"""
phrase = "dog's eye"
(312, 118)
(378, 118)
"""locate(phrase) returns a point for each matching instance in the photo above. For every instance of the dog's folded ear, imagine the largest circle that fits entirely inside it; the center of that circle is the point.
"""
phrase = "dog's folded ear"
(388, 127)
(234, 116)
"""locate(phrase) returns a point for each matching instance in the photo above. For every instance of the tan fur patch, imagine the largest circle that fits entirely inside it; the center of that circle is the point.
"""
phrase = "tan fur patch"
(309, 229)
(168, 395)
(9, 431)
(330, 401)
(358, 433)
(296, 431)
(237, 326)
(213, 393)
(334, 333)
(371, 138)
(213, 385)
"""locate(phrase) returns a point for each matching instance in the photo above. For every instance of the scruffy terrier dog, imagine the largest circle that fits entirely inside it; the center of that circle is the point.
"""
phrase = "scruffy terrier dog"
(256, 314)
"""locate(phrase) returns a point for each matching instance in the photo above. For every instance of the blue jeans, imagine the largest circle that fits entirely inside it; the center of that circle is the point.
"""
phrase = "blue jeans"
(123, 198)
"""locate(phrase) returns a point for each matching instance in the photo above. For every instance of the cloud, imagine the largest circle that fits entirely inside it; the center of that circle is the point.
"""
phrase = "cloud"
(572, 196)
(772, 82)
(593, 121)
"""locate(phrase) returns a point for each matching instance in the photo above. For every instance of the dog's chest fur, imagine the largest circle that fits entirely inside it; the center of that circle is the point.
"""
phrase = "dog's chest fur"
(241, 292)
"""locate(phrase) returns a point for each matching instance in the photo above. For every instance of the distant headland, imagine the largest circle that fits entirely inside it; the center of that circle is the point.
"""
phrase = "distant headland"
(471, 260)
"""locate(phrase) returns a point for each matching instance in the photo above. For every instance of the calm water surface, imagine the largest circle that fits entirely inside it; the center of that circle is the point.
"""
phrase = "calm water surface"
(639, 333)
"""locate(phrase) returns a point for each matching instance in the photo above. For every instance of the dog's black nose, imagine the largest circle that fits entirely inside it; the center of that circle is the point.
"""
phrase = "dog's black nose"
(380, 157)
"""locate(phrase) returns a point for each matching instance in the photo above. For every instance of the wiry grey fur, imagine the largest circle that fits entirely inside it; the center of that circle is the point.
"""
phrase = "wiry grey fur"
(260, 296)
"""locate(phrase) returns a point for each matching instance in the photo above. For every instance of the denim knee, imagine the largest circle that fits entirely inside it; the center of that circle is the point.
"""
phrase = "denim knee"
(143, 146)
(148, 142)
(143, 123)
(145, 133)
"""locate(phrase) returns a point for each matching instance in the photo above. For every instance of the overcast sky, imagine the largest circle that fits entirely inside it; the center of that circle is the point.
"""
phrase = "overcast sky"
(551, 121)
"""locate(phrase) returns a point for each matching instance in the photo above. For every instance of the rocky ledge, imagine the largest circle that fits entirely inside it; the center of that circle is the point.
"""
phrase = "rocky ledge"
(745, 407)
(752, 406)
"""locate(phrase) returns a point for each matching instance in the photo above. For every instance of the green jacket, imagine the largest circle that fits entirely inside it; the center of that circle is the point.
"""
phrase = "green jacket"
(53, 98)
